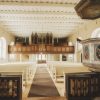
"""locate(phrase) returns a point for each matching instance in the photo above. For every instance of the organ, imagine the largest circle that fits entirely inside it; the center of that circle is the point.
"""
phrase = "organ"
(44, 43)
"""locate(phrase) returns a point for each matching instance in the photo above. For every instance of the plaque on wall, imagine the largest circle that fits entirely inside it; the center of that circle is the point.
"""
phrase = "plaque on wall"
(86, 55)
(97, 52)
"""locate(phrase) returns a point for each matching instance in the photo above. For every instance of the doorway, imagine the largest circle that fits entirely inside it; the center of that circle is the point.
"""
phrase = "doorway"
(41, 58)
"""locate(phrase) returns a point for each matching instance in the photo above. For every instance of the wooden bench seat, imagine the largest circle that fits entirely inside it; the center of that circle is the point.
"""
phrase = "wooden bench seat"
(51, 65)
(60, 71)
(24, 69)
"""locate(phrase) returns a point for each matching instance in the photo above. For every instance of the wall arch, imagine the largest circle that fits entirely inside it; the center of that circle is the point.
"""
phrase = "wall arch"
(78, 50)
(96, 33)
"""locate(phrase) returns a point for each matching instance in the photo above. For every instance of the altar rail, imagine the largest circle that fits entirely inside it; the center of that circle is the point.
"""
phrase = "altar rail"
(40, 48)
(11, 87)
(82, 86)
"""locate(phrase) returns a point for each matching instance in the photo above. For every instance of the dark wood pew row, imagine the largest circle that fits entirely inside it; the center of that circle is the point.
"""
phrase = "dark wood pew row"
(82, 86)
(10, 87)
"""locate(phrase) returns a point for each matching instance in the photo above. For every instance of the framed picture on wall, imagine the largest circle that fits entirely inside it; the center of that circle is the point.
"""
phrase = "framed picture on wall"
(86, 55)
(97, 52)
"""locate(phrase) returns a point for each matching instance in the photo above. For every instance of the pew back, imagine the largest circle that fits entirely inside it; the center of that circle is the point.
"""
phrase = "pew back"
(11, 87)
(82, 86)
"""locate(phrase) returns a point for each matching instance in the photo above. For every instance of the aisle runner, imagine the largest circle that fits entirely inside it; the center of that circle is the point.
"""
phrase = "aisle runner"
(42, 85)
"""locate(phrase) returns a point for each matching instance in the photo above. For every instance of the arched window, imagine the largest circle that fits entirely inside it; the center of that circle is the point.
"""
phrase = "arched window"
(78, 50)
(96, 33)
(2, 48)
(79, 45)
(12, 43)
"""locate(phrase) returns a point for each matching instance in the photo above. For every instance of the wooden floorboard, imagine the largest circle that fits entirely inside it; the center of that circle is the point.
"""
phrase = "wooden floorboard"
(47, 98)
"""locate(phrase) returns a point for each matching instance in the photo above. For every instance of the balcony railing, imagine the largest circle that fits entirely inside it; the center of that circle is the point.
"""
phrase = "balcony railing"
(38, 48)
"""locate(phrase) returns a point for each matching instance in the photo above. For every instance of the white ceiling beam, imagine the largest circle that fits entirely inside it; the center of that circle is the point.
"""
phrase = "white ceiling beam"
(35, 3)
(35, 8)
(40, 19)
(38, 15)
(35, 12)
(42, 22)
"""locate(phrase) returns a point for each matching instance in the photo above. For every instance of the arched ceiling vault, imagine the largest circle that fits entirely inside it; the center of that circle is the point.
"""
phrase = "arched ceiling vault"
(22, 17)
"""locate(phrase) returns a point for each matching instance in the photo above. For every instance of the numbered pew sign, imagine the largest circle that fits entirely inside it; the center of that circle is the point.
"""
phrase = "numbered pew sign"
(91, 53)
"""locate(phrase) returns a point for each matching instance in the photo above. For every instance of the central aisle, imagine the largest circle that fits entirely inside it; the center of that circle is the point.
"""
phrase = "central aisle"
(43, 85)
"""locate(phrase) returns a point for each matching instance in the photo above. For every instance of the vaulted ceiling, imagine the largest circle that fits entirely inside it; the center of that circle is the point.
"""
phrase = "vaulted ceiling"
(22, 17)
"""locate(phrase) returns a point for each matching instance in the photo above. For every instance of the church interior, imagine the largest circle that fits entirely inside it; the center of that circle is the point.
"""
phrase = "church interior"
(49, 49)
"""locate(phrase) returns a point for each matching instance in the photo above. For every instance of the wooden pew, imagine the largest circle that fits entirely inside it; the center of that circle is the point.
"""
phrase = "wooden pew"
(24, 69)
(57, 69)
(60, 71)
(82, 86)
(10, 87)
(51, 66)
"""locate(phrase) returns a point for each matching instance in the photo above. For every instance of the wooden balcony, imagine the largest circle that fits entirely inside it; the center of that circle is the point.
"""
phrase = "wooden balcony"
(40, 48)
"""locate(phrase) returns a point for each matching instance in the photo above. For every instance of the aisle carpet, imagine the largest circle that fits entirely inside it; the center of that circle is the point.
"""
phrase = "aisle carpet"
(42, 85)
